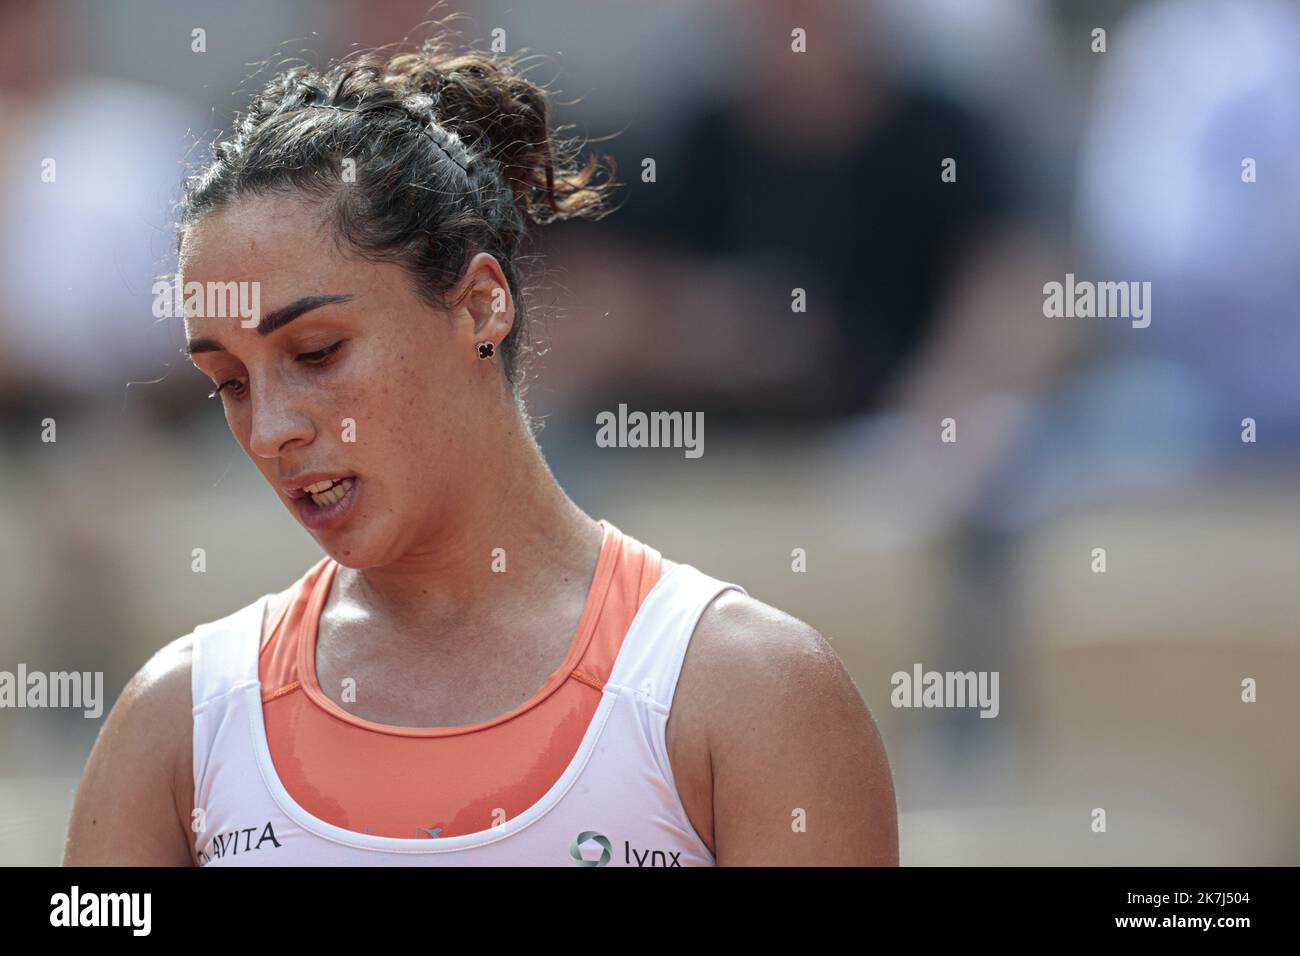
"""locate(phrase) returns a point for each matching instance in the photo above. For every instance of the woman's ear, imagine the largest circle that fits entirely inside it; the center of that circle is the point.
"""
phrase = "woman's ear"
(486, 304)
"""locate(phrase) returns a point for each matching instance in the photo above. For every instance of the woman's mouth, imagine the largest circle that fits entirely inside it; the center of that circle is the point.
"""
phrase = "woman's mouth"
(326, 504)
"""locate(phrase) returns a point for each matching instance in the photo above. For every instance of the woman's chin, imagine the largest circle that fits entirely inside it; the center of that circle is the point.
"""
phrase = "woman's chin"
(344, 530)
(355, 556)
(359, 551)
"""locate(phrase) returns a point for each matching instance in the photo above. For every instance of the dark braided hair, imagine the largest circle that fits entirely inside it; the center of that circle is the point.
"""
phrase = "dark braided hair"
(452, 153)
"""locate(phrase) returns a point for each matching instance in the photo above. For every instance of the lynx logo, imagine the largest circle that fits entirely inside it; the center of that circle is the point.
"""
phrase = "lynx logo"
(655, 857)
(575, 848)
(642, 857)
(235, 842)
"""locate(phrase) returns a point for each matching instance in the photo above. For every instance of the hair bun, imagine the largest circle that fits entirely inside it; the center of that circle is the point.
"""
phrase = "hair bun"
(496, 111)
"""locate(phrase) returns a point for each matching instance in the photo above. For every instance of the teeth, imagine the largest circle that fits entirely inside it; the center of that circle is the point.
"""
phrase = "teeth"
(334, 491)
(319, 486)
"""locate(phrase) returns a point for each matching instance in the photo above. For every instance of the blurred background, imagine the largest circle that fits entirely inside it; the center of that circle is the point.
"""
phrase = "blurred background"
(774, 171)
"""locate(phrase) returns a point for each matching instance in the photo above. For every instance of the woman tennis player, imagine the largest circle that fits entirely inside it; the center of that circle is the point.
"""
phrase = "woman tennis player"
(477, 673)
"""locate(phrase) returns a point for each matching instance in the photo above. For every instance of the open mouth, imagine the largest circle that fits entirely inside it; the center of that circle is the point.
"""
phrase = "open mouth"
(327, 503)
(325, 493)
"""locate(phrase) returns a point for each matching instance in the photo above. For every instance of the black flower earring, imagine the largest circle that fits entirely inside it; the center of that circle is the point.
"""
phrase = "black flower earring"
(485, 350)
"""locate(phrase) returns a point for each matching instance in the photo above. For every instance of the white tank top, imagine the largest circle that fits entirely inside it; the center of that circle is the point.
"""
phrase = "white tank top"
(616, 804)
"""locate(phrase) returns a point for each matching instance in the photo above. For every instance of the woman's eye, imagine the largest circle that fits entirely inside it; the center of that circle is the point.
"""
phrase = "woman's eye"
(317, 358)
(234, 384)
(320, 356)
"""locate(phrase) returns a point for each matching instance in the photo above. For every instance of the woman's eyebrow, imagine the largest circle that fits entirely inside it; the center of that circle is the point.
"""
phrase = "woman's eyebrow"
(272, 320)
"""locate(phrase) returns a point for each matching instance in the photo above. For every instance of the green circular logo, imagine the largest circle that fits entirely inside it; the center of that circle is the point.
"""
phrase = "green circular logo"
(575, 848)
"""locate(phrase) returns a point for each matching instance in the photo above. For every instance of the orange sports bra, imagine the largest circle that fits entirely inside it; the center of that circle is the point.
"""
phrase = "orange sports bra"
(439, 781)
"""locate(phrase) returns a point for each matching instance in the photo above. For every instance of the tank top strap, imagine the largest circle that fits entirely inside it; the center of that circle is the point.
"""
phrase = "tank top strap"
(654, 649)
(224, 652)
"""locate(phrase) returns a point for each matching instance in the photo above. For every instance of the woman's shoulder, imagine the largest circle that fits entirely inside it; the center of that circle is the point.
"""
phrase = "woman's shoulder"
(163, 686)
(153, 718)
(742, 641)
(141, 763)
(736, 628)
(768, 718)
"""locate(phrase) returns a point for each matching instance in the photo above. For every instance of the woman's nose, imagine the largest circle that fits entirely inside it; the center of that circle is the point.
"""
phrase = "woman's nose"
(278, 420)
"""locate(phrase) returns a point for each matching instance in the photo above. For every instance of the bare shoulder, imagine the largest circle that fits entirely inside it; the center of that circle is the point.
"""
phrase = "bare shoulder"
(781, 759)
(131, 807)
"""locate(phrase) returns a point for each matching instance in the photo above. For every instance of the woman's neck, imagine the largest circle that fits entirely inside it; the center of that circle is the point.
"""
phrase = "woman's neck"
(511, 539)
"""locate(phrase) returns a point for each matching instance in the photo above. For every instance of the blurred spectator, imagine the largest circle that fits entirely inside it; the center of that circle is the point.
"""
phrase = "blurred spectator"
(820, 172)
(1190, 91)
(87, 167)
(1193, 91)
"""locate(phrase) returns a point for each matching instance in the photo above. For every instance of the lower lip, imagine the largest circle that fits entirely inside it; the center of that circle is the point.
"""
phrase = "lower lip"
(331, 516)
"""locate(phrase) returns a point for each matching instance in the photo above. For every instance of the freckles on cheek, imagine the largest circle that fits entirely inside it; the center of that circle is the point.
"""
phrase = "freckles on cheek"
(356, 410)
(408, 390)
(400, 394)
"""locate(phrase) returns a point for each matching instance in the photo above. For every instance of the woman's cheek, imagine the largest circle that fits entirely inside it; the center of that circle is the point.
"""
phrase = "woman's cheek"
(352, 412)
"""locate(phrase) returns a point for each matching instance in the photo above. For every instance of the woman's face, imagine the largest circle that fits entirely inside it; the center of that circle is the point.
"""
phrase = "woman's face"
(347, 376)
